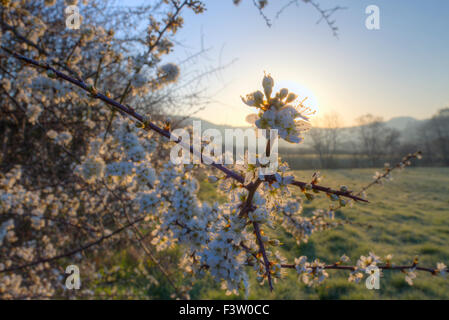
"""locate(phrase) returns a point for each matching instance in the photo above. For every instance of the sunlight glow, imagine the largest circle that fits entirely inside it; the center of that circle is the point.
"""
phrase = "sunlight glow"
(302, 91)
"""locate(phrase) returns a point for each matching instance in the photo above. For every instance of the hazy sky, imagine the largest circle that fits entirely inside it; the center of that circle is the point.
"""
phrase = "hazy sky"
(400, 70)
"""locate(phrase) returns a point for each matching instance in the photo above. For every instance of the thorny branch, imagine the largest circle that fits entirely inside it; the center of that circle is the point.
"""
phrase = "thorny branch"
(148, 125)
(382, 267)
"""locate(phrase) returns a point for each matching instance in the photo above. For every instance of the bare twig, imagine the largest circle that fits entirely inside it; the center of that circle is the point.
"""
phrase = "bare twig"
(399, 165)
(260, 8)
(74, 251)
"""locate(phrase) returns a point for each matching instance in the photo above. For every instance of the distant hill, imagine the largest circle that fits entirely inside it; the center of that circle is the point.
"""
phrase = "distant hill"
(401, 123)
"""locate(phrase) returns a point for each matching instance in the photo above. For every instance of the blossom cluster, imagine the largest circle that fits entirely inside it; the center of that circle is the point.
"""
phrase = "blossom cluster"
(314, 273)
(281, 112)
(50, 205)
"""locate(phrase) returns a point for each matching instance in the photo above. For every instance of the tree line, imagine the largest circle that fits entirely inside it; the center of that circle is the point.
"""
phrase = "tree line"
(371, 143)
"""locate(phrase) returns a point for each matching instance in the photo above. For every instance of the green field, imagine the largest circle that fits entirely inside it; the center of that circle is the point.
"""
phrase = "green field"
(408, 216)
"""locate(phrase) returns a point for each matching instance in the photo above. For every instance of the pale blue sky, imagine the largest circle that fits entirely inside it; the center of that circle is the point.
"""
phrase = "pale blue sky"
(400, 70)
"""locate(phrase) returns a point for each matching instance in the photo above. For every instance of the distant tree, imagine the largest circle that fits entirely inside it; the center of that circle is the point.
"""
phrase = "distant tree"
(391, 143)
(325, 138)
(376, 140)
(435, 135)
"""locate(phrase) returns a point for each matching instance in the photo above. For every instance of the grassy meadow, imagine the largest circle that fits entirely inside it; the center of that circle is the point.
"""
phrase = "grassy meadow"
(407, 216)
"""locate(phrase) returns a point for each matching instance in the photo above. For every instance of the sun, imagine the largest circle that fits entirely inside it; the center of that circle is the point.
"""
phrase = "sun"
(302, 91)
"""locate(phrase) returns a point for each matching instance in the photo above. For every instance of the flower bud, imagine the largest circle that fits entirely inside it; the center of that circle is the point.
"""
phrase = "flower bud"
(258, 97)
(212, 179)
(283, 93)
(140, 125)
(51, 74)
(267, 84)
(249, 100)
(92, 90)
(334, 197)
(309, 196)
(291, 97)
(146, 120)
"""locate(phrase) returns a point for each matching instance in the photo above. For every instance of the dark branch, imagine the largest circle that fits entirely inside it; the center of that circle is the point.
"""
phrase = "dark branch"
(148, 125)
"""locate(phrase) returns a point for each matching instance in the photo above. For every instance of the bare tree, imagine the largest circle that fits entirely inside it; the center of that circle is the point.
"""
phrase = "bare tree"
(435, 135)
(376, 140)
(325, 138)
